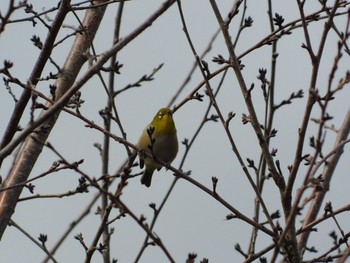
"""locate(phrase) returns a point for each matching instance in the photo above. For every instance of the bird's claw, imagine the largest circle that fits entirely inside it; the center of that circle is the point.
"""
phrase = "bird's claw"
(167, 166)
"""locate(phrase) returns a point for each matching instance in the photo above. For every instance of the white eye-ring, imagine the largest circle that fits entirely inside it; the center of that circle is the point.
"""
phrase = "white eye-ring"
(160, 115)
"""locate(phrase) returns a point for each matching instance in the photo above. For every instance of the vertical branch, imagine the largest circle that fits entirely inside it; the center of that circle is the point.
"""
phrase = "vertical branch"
(310, 102)
(101, 231)
(106, 141)
(292, 211)
(308, 45)
(269, 117)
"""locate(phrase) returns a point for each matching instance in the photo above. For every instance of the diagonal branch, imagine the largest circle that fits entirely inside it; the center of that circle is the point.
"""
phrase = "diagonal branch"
(35, 75)
(254, 119)
(34, 143)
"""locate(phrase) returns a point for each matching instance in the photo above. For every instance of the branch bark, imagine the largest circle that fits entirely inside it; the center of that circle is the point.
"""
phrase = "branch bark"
(35, 74)
(34, 143)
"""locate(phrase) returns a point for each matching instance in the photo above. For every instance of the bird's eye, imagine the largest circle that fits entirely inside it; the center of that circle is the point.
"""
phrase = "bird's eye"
(160, 115)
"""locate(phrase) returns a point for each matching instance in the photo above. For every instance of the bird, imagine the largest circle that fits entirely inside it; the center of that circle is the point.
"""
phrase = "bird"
(158, 140)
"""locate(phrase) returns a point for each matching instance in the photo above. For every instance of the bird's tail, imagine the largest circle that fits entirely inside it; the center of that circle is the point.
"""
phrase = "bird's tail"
(146, 178)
